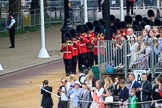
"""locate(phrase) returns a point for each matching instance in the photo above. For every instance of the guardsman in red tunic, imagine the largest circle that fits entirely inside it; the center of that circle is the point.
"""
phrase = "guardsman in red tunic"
(67, 48)
(87, 37)
(75, 51)
(123, 31)
(82, 46)
(98, 36)
(90, 39)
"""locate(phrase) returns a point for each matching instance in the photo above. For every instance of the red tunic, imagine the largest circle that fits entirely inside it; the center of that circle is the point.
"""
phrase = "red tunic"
(75, 48)
(90, 41)
(82, 45)
(67, 51)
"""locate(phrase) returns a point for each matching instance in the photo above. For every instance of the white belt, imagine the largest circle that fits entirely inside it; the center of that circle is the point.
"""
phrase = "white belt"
(75, 48)
(82, 44)
(67, 52)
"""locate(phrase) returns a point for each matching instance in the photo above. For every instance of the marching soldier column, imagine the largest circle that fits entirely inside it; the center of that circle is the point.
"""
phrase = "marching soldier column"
(80, 47)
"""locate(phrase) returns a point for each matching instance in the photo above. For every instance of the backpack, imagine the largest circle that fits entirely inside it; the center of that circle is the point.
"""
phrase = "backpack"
(82, 78)
(109, 68)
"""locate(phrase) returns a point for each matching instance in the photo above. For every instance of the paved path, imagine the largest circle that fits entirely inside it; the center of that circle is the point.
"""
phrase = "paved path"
(27, 48)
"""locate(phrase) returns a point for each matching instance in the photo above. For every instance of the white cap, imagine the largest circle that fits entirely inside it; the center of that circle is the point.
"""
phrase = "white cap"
(77, 82)
(147, 27)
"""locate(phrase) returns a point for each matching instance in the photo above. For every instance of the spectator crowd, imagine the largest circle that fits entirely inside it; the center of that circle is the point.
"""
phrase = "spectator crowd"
(106, 93)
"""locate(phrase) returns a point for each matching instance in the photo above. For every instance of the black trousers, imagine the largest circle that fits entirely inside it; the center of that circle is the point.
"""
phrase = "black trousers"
(67, 63)
(82, 60)
(74, 64)
(90, 59)
(130, 6)
(12, 37)
(64, 104)
(79, 62)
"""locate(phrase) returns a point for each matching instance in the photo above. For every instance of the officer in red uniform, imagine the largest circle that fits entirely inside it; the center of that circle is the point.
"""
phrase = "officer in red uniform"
(75, 51)
(67, 48)
(87, 37)
(82, 46)
(98, 36)
(90, 40)
(123, 31)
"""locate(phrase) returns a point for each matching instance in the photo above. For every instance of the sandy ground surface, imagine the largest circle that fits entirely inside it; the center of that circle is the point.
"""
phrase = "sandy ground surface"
(24, 92)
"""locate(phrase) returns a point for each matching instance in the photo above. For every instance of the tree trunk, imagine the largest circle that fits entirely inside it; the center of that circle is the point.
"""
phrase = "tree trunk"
(34, 6)
(15, 6)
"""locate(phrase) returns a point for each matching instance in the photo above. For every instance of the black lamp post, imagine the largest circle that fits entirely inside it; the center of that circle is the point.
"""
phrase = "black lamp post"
(107, 19)
(67, 24)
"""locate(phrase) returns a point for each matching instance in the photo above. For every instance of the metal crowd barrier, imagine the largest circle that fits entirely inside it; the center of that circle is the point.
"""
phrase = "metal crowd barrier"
(118, 54)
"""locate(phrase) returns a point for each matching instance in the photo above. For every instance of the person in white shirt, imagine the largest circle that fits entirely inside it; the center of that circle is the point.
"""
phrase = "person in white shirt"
(97, 95)
(11, 29)
(62, 92)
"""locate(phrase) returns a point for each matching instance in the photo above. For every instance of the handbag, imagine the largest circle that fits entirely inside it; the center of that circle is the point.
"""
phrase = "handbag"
(109, 99)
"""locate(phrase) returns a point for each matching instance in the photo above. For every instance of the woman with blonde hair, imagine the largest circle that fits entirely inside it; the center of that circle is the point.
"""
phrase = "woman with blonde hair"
(90, 80)
(108, 91)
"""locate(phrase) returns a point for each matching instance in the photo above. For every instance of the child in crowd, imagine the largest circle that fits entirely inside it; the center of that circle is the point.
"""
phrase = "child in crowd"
(133, 99)
(62, 92)
(123, 94)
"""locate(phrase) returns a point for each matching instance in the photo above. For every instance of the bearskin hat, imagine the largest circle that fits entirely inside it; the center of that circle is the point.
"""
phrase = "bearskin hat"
(73, 33)
(123, 24)
(85, 28)
(67, 36)
(128, 19)
(79, 29)
(138, 18)
(112, 19)
(98, 29)
(150, 13)
(90, 25)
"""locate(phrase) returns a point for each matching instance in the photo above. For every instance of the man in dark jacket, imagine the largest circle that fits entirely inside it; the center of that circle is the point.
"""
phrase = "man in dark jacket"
(146, 90)
(47, 101)
(134, 85)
